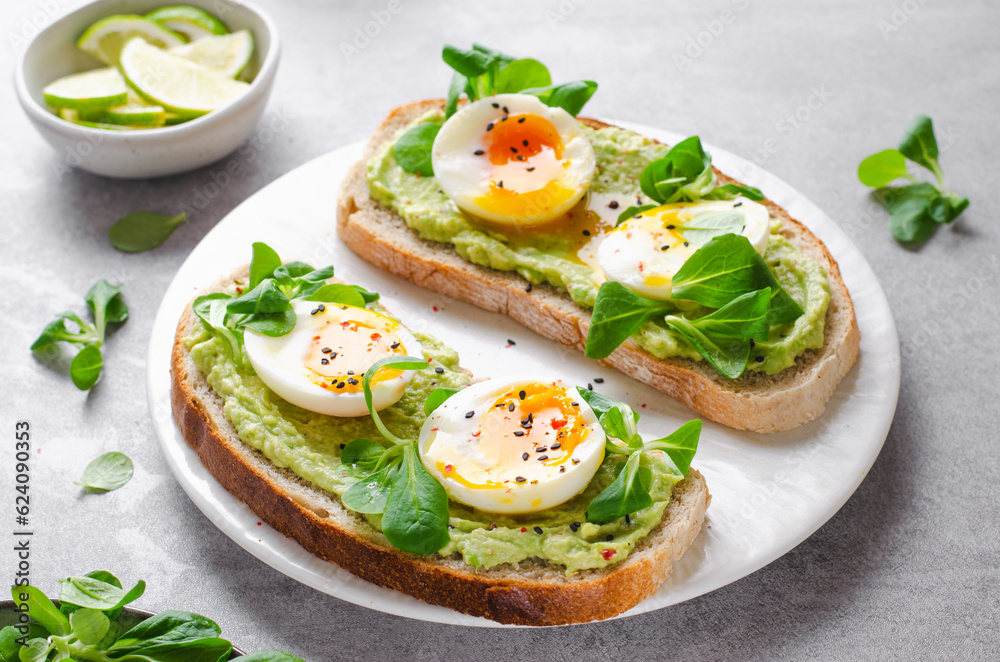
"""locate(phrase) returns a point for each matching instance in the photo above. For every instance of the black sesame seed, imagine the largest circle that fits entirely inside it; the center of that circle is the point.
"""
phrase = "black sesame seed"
(586, 233)
(522, 394)
(478, 152)
(333, 355)
(514, 149)
(598, 380)
(613, 204)
(525, 456)
(521, 120)
(556, 446)
(671, 227)
(590, 387)
(505, 111)
(610, 536)
(541, 449)
(510, 342)
(542, 458)
(314, 311)
(492, 526)
(574, 526)
(575, 403)
(531, 168)
(341, 384)
(518, 433)
(500, 184)
(504, 118)
(326, 350)
(350, 372)
(470, 414)
(524, 142)
(537, 530)
(342, 307)
(758, 359)
(562, 468)
(352, 381)
(520, 158)
(576, 460)
(737, 204)
(752, 343)
(496, 105)
(489, 127)
(519, 479)
(627, 520)
(686, 243)
(439, 370)
(343, 446)
(325, 361)
(321, 308)
(394, 345)
(528, 288)
(663, 248)
(510, 407)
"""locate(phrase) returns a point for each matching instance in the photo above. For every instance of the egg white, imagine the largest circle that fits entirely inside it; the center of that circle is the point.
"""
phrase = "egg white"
(466, 177)
(280, 361)
(469, 445)
(644, 255)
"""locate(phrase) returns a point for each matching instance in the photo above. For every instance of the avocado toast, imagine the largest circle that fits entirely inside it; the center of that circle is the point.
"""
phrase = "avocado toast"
(284, 462)
(374, 221)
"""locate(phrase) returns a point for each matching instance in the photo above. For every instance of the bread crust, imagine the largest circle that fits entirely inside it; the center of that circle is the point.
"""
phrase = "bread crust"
(755, 401)
(534, 593)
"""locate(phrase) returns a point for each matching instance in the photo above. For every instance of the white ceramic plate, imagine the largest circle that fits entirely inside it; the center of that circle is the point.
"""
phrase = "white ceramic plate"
(769, 492)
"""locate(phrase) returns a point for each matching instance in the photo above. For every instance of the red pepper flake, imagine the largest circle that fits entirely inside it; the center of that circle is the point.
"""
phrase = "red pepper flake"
(376, 337)
(606, 554)
(448, 468)
(643, 405)
(523, 529)
(434, 308)
(343, 325)
(558, 423)
(477, 433)
(258, 524)
(239, 290)
(435, 429)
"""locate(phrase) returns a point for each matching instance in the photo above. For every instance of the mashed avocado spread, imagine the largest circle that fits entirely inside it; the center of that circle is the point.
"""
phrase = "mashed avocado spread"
(557, 253)
(310, 445)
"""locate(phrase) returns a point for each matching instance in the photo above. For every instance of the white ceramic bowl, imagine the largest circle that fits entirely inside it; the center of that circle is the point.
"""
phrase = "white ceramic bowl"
(152, 152)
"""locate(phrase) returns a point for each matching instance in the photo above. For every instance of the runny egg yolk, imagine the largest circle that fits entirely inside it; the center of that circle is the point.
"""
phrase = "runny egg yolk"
(344, 347)
(526, 152)
(525, 436)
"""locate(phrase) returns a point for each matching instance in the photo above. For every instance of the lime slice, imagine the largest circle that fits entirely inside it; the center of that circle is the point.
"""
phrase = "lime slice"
(227, 55)
(190, 21)
(98, 88)
(106, 38)
(173, 118)
(128, 115)
(73, 116)
(179, 86)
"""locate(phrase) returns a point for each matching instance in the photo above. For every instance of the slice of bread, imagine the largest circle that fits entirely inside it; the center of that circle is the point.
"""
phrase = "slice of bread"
(756, 401)
(532, 592)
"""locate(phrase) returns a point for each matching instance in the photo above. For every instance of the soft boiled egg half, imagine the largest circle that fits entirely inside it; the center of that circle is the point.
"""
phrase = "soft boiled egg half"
(513, 446)
(320, 363)
(645, 251)
(511, 159)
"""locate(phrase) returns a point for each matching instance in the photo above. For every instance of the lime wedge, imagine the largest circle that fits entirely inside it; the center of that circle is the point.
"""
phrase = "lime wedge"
(192, 22)
(181, 87)
(98, 88)
(128, 115)
(106, 38)
(227, 55)
(73, 116)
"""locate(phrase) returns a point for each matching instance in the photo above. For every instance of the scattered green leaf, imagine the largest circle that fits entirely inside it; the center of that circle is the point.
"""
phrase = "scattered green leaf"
(143, 231)
(106, 473)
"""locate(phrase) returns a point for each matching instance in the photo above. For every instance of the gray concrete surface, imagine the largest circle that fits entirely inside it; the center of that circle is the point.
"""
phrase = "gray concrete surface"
(909, 569)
